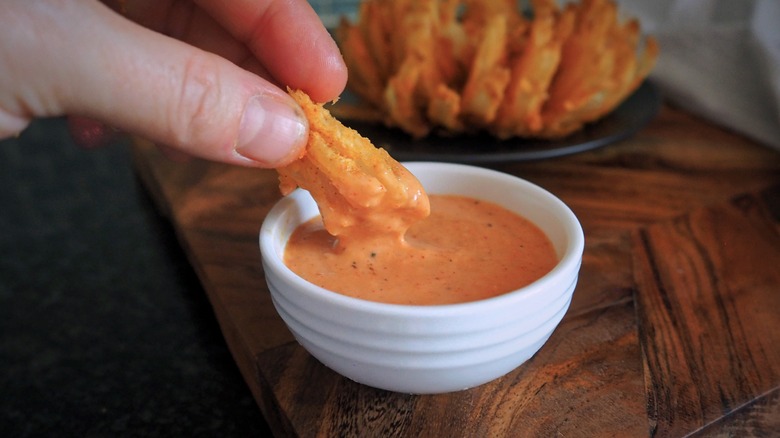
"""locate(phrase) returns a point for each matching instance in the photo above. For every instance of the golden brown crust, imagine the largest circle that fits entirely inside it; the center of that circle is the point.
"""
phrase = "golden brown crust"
(427, 67)
(358, 188)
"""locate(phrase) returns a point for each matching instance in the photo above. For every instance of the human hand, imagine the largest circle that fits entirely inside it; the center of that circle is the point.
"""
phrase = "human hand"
(203, 77)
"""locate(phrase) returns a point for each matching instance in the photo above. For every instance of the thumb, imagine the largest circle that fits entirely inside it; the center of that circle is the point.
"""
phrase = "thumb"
(146, 83)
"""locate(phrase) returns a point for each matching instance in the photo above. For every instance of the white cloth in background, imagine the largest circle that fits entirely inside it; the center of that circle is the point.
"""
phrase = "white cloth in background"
(719, 59)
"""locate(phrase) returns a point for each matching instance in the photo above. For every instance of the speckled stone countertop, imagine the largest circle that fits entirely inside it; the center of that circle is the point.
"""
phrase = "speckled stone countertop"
(104, 328)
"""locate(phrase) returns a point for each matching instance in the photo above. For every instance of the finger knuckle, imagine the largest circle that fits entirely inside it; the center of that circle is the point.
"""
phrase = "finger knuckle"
(192, 117)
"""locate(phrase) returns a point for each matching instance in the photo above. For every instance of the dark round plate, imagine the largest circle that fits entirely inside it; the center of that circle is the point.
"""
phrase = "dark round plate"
(622, 123)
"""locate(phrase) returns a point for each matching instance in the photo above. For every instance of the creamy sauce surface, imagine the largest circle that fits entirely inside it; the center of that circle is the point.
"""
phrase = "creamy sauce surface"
(465, 250)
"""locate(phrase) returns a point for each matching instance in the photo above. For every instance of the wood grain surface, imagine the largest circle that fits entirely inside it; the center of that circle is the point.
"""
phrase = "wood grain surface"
(674, 328)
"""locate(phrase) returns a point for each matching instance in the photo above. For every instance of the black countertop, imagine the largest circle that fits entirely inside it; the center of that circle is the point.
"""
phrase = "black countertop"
(104, 328)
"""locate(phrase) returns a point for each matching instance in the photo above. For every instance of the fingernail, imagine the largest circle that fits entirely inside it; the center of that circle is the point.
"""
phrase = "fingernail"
(273, 130)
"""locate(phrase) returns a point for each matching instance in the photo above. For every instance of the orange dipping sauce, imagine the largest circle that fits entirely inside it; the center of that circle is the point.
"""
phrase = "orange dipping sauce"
(466, 250)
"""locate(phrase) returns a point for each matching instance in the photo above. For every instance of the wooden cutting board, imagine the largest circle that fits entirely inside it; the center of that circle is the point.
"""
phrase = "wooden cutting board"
(674, 327)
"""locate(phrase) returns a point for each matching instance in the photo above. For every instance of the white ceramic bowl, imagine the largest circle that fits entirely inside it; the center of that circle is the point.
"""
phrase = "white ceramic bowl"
(429, 349)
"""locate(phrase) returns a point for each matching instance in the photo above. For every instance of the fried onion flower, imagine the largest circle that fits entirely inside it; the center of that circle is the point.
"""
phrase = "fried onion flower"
(456, 66)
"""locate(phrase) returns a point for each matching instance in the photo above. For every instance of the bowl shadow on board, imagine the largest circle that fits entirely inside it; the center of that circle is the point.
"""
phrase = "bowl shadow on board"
(483, 149)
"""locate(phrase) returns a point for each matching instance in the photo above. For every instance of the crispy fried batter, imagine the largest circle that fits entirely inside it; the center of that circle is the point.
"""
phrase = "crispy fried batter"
(489, 77)
(357, 187)
(471, 65)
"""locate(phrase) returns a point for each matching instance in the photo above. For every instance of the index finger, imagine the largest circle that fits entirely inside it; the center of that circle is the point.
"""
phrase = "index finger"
(288, 39)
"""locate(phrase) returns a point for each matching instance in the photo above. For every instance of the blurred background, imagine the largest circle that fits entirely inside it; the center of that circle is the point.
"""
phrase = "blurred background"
(104, 327)
(331, 11)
